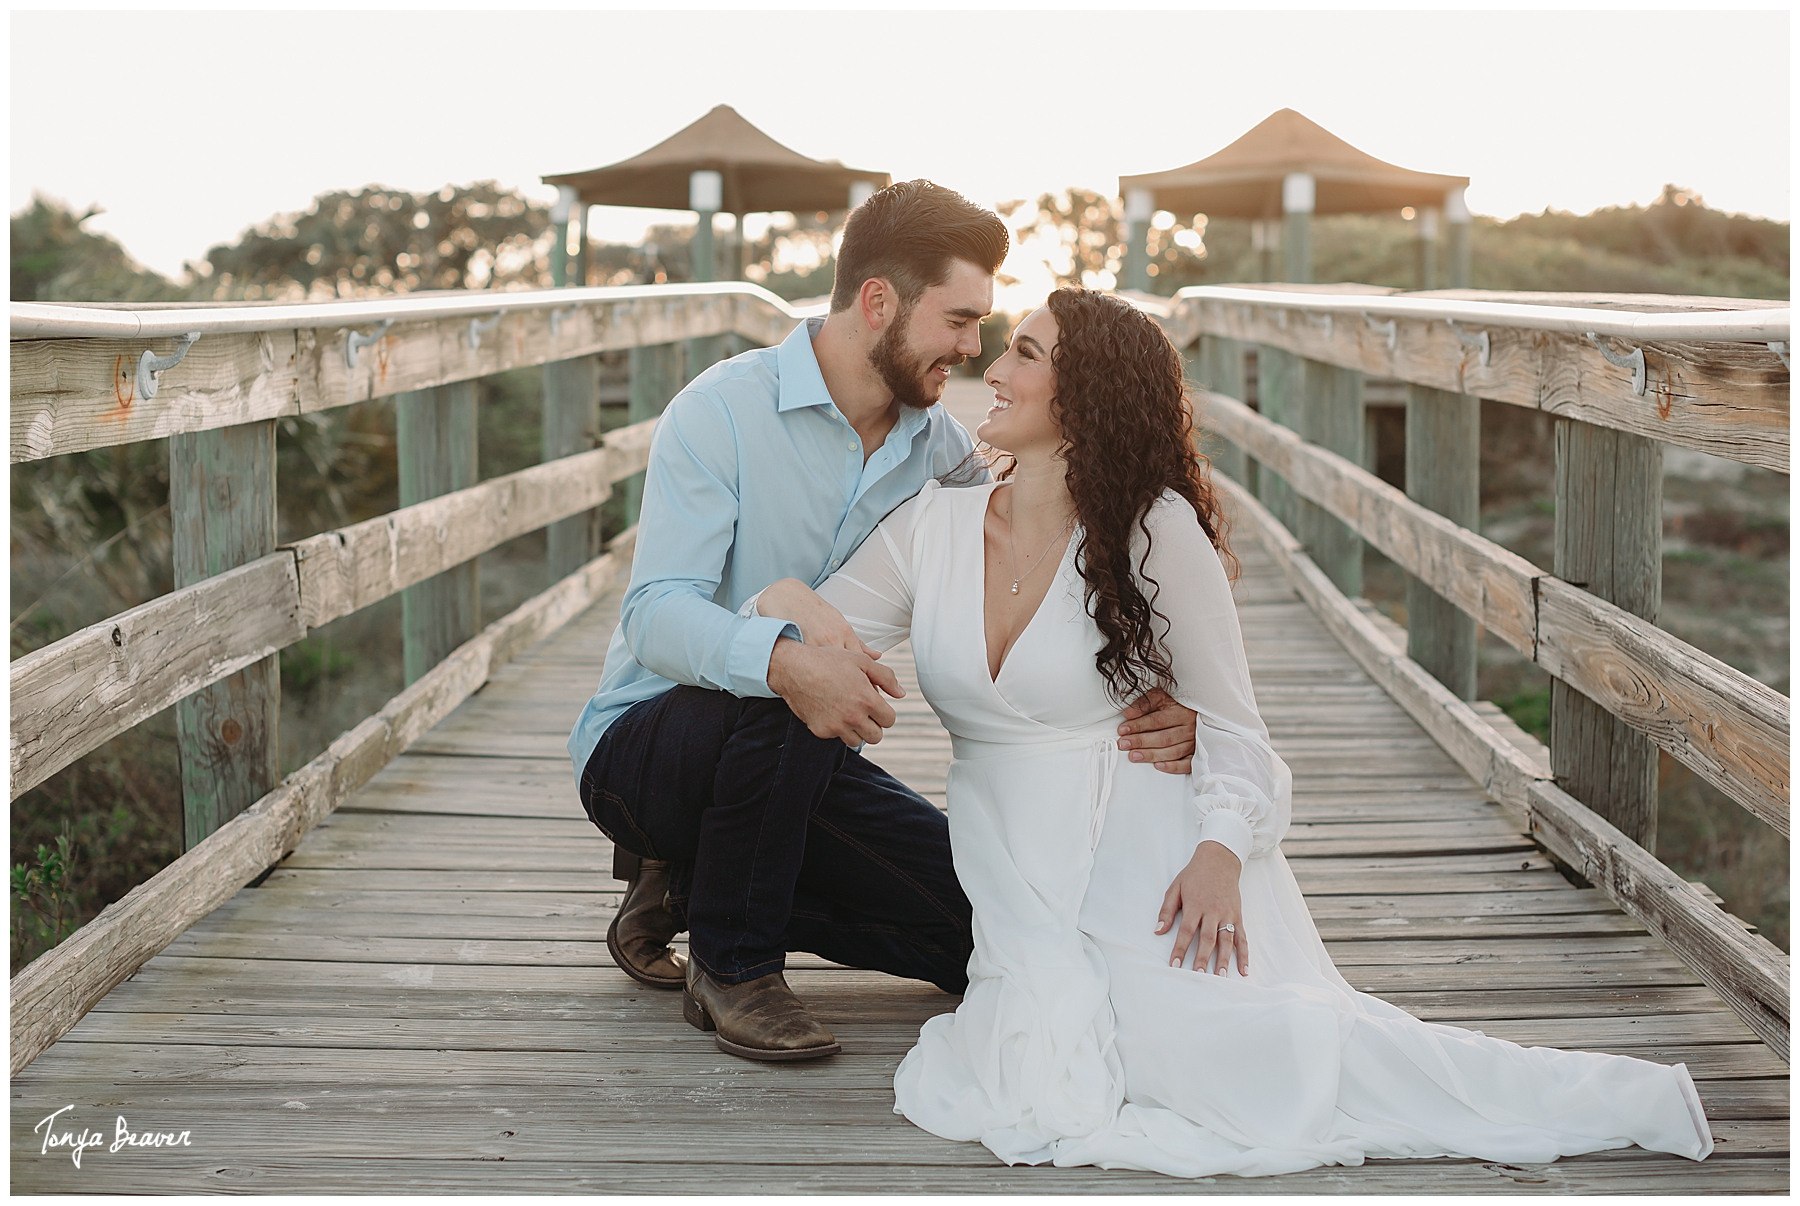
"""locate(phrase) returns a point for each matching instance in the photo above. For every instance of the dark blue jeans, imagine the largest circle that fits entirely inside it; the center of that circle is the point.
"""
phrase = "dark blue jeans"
(780, 841)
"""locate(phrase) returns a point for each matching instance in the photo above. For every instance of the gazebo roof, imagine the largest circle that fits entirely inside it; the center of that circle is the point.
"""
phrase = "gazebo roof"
(1244, 179)
(760, 175)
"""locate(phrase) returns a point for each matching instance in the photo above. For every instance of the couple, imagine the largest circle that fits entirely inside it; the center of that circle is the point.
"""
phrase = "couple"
(1142, 984)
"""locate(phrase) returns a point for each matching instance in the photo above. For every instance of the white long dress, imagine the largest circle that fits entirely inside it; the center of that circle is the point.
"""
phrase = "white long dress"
(1076, 1042)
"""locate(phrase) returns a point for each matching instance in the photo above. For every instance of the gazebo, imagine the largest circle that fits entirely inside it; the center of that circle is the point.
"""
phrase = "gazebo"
(720, 163)
(1288, 167)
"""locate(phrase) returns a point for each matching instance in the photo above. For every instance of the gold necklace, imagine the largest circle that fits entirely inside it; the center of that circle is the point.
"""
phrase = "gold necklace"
(1014, 552)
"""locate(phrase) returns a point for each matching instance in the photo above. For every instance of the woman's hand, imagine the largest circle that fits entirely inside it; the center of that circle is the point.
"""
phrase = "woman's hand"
(1206, 896)
(820, 623)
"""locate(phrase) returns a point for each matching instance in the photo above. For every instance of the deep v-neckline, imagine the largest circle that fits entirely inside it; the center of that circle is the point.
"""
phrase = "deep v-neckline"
(981, 584)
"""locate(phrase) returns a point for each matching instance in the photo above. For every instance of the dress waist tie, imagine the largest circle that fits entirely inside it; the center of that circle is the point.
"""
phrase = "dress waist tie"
(1103, 758)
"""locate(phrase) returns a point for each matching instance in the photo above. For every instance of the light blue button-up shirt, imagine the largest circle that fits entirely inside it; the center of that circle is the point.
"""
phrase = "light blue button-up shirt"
(754, 476)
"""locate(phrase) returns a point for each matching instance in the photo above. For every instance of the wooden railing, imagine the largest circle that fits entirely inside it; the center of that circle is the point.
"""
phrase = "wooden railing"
(88, 377)
(1622, 376)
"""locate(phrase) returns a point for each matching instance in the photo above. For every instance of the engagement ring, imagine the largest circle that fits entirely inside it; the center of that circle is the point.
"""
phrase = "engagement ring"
(1229, 928)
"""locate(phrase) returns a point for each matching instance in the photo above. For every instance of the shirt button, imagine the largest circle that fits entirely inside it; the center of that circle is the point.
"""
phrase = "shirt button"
(834, 563)
(852, 445)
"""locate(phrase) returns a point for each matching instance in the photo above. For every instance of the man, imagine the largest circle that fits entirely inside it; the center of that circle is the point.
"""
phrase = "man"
(719, 749)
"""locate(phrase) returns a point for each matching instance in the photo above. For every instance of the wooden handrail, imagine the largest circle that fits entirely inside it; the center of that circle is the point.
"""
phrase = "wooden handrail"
(1751, 976)
(56, 989)
(74, 382)
(71, 696)
(1729, 728)
(1712, 382)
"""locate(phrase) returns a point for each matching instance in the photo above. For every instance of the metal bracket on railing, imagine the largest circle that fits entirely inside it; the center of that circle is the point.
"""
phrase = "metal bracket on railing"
(356, 343)
(1320, 320)
(477, 329)
(1783, 352)
(558, 315)
(1634, 362)
(150, 364)
(1391, 328)
(1473, 341)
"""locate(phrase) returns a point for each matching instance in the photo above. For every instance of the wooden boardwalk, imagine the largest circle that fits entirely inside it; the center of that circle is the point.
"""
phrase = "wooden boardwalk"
(419, 999)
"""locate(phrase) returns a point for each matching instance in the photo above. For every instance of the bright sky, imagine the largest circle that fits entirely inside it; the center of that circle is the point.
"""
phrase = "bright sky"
(188, 127)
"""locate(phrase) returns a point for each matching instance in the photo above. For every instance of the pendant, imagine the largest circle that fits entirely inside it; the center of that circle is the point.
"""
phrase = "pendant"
(1015, 586)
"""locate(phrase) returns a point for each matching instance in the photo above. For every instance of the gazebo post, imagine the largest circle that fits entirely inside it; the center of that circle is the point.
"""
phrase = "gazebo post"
(1265, 241)
(1140, 204)
(1456, 216)
(1298, 195)
(578, 274)
(566, 200)
(1425, 248)
(706, 190)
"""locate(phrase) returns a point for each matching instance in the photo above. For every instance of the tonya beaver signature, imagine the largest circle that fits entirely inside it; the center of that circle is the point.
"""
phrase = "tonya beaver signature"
(123, 1136)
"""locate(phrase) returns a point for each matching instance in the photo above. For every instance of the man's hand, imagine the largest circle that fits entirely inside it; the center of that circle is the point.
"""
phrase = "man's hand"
(1160, 731)
(833, 691)
(820, 622)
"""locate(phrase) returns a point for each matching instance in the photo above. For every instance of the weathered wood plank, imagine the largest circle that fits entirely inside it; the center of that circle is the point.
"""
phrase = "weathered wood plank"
(1727, 399)
(327, 1175)
(571, 425)
(347, 569)
(70, 395)
(1751, 976)
(1477, 575)
(435, 431)
(222, 515)
(1730, 729)
(53, 992)
(1608, 539)
(75, 694)
(1443, 473)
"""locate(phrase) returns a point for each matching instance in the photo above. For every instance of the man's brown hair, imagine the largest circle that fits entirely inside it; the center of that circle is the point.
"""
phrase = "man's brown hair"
(908, 234)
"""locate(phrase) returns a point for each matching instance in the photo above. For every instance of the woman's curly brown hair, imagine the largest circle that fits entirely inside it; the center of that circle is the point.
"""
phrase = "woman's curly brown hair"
(1128, 435)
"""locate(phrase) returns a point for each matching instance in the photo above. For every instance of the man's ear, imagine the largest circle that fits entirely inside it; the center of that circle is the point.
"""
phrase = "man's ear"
(879, 302)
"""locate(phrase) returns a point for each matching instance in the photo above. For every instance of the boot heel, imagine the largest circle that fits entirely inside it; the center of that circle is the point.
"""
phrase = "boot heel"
(695, 1012)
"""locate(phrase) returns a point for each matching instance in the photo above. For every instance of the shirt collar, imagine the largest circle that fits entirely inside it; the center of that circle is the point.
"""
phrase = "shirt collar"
(803, 385)
(801, 382)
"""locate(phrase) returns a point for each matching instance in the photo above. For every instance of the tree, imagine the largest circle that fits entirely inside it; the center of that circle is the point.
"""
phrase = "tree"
(54, 259)
(377, 240)
(1085, 232)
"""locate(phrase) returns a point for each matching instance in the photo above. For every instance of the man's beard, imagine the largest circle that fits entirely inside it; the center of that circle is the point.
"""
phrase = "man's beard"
(901, 371)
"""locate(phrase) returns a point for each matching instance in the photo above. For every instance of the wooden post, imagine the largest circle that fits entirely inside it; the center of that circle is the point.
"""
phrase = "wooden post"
(656, 377)
(435, 429)
(1609, 543)
(1425, 248)
(1330, 415)
(578, 265)
(1265, 241)
(1443, 472)
(1456, 219)
(222, 514)
(1218, 364)
(571, 425)
(567, 200)
(1140, 205)
(1298, 193)
(1279, 381)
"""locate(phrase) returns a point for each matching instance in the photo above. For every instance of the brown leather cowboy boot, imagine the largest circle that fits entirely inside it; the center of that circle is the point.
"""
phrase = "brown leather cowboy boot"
(639, 936)
(759, 1019)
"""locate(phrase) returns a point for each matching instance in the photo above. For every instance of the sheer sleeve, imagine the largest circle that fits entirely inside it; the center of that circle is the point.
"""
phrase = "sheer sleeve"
(874, 588)
(1242, 788)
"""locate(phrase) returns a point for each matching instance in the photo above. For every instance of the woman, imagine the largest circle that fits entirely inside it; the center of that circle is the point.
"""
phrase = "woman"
(1147, 989)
